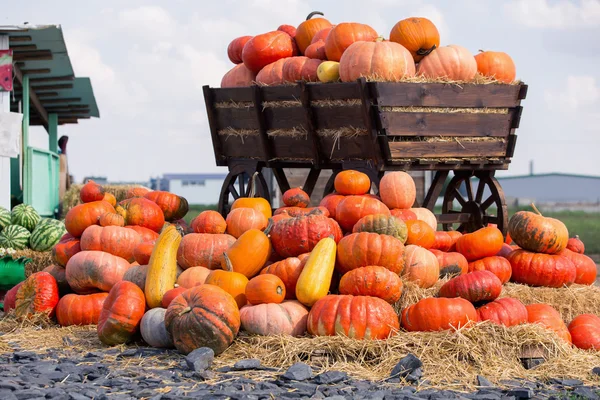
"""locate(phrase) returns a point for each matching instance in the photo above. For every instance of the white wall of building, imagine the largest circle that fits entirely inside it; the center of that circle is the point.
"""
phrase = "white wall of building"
(4, 161)
(206, 192)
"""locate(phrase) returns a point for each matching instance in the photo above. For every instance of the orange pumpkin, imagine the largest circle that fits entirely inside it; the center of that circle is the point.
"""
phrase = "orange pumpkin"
(496, 64)
(138, 191)
(308, 29)
(232, 282)
(451, 62)
(203, 249)
(350, 210)
(397, 190)
(249, 253)
(437, 314)
(209, 221)
(91, 191)
(478, 286)
(352, 182)
(343, 35)
(77, 309)
(288, 270)
(111, 219)
(238, 76)
(266, 48)
(300, 68)
(81, 216)
(385, 61)
(143, 252)
(240, 220)
(296, 197)
(539, 269)
(372, 281)
(366, 248)
(114, 240)
(272, 74)
(193, 276)
(235, 47)
(330, 202)
(534, 232)
(497, 265)
(549, 318)
(258, 203)
(485, 242)
(121, 314)
(418, 35)
(265, 288)
(173, 207)
(316, 50)
(576, 245)
(506, 311)
(110, 199)
(451, 263)
(170, 295)
(420, 233)
(584, 265)
(142, 212)
(585, 331)
(444, 241)
(420, 266)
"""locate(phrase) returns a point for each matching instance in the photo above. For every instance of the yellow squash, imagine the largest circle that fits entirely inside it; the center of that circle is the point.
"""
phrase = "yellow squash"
(315, 278)
(162, 267)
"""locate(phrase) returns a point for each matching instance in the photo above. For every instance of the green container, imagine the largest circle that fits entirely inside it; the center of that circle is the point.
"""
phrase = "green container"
(12, 271)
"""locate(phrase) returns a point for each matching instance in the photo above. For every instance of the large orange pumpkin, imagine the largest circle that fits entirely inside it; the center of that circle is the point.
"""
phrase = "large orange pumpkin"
(93, 271)
(379, 60)
(91, 191)
(121, 314)
(444, 241)
(66, 248)
(420, 266)
(497, 265)
(81, 216)
(548, 317)
(266, 48)
(484, 242)
(234, 50)
(343, 35)
(238, 76)
(193, 276)
(352, 182)
(77, 309)
(585, 267)
(203, 249)
(174, 207)
(397, 190)
(272, 74)
(330, 202)
(300, 68)
(350, 210)
(451, 62)
(420, 233)
(534, 232)
(372, 281)
(366, 248)
(437, 314)
(585, 331)
(358, 317)
(496, 64)
(296, 197)
(419, 35)
(38, 295)
(506, 311)
(451, 263)
(306, 31)
(538, 269)
(203, 316)
(209, 221)
(475, 286)
(115, 240)
(142, 212)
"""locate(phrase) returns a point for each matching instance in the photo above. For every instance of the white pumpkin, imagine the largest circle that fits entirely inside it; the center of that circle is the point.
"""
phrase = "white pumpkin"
(153, 329)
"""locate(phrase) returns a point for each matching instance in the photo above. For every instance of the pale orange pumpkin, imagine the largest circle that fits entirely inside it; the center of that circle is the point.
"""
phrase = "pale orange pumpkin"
(272, 74)
(452, 62)
(300, 68)
(238, 76)
(397, 190)
(420, 266)
(385, 61)
(243, 219)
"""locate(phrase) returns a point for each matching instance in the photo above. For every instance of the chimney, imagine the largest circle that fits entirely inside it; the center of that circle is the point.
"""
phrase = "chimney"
(530, 167)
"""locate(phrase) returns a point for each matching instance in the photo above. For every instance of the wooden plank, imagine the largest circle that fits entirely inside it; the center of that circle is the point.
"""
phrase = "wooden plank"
(47, 94)
(236, 118)
(334, 91)
(212, 124)
(458, 218)
(510, 147)
(402, 94)
(338, 117)
(312, 134)
(345, 148)
(284, 117)
(455, 149)
(241, 147)
(367, 113)
(23, 47)
(445, 124)
(292, 147)
(16, 39)
(63, 100)
(238, 95)
(281, 93)
(262, 126)
(36, 55)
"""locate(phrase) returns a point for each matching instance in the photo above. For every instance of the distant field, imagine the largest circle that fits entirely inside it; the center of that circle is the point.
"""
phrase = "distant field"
(586, 225)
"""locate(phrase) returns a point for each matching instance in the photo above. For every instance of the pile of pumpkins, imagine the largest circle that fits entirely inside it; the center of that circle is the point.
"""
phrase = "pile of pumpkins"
(319, 51)
(334, 269)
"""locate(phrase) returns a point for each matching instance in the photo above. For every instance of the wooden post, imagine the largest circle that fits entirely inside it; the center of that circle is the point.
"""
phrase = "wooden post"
(5, 173)
(53, 132)
(27, 195)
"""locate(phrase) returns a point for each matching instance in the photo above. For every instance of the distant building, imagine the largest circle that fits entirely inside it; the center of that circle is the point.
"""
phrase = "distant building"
(551, 188)
(196, 188)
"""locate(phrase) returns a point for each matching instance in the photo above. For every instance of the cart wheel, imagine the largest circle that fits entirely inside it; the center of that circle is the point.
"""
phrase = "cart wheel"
(238, 184)
(477, 209)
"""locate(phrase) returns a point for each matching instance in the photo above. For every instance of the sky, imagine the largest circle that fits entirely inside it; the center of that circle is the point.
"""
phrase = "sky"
(148, 61)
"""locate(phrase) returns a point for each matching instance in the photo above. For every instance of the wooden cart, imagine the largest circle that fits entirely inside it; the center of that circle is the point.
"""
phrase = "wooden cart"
(372, 127)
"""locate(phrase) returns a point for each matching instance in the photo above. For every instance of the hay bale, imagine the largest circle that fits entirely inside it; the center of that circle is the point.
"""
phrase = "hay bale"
(39, 260)
(71, 198)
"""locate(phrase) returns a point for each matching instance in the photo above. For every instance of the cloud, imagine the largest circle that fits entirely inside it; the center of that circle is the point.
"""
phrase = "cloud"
(148, 21)
(562, 14)
(581, 93)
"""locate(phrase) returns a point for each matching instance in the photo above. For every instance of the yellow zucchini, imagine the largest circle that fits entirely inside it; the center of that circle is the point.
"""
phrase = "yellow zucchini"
(315, 278)
(162, 267)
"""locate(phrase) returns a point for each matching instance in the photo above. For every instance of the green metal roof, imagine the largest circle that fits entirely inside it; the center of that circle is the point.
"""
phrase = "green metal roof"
(40, 52)
(547, 174)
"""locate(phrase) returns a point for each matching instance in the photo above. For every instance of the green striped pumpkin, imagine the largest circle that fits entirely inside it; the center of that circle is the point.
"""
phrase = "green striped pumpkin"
(25, 216)
(46, 234)
(4, 218)
(14, 237)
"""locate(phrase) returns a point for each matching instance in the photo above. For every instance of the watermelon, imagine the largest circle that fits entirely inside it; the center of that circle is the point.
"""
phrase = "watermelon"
(25, 216)
(15, 237)
(46, 234)
(4, 218)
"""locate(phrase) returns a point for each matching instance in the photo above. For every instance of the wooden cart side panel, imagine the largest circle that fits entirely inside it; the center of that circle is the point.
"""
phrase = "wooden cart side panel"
(446, 124)
(324, 117)
(235, 94)
(450, 149)
(447, 95)
(236, 118)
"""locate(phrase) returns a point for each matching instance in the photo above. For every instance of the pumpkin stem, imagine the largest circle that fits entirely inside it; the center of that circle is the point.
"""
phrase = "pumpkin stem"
(228, 265)
(312, 14)
(184, 311)
(252, 185)
(379, 39)
(269, 227)
(535, 209)
(481, 51)
(425, 52)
